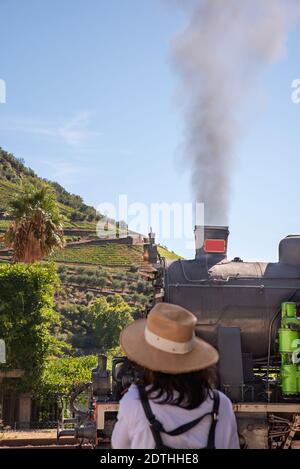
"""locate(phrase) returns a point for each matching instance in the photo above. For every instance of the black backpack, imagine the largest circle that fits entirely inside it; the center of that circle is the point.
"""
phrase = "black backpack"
(157, 428)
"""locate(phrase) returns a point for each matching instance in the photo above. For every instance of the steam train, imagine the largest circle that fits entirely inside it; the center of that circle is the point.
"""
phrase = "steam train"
(250, 312)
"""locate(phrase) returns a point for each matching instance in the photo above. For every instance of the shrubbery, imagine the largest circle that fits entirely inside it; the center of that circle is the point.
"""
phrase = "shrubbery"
(28, 321)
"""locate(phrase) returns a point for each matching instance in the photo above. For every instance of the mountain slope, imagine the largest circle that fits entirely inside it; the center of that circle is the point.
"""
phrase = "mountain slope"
(89, 268)
(13, 173)
(79, 225)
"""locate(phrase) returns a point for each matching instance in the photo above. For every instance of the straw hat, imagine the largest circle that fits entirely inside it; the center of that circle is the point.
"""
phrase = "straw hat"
(166, 341)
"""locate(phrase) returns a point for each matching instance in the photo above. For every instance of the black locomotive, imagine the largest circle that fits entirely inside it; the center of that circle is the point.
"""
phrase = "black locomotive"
(250, 312)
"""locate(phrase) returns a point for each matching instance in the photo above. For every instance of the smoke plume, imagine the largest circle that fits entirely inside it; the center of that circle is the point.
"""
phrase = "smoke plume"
(219, 56)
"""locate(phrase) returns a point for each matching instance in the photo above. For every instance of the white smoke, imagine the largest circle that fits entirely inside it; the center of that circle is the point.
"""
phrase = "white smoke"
(219, 56)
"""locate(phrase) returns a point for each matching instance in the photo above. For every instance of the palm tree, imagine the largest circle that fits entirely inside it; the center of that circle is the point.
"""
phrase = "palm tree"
(37, 227)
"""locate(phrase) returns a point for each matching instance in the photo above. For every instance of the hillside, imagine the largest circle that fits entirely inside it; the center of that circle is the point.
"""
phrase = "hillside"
(88, 267)
(13, 173)
(80, 220)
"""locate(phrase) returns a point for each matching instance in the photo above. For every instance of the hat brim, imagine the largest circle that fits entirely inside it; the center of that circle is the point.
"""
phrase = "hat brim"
(136, 348)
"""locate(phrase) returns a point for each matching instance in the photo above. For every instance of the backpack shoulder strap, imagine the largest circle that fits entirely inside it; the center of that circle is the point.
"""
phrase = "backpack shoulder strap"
(187, 426)
(155, 426)
(215, 416)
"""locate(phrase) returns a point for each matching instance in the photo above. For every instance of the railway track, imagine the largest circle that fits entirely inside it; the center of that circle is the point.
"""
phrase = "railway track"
(40, 443)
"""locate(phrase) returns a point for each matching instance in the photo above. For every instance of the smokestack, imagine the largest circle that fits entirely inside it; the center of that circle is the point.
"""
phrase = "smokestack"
(150, 249)
(213, 248)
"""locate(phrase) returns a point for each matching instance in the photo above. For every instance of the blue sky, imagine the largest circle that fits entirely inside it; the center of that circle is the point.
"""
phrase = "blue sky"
(91, 104)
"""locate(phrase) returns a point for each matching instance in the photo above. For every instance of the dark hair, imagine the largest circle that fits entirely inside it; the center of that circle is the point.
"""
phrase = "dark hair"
(186, 390)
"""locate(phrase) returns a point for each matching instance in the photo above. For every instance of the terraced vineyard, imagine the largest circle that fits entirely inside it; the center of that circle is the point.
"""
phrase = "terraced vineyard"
(80, 225)
(108, 255)
(170, 255)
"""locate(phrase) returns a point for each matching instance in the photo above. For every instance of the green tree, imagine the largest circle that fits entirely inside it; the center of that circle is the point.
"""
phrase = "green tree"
(61, 375)
(37, 227)
(108, 318)
(116, 285)
(140, 286)
(28, 322)
(101, 282)
(89, 296)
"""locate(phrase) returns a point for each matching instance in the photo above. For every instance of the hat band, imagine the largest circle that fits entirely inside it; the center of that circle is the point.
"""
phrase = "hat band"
(167, 345)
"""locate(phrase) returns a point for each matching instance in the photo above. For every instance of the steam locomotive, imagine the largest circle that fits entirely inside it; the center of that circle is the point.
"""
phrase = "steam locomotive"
(250, 312)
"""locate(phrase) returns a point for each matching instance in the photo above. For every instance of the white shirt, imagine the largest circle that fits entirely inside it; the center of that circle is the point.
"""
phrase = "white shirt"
(132, 429)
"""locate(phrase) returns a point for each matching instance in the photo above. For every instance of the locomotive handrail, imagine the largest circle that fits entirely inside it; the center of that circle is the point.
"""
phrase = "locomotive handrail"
(208, 270)
(213, 285)
(292, 287)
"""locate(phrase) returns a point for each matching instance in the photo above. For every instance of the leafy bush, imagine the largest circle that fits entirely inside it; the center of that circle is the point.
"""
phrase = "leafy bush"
(140, 286)
(101, 282)
(27, 318)
(61, 269)
(116, 285)
(132, 276)
(89, 296)
(128, 298)
(80, 269)
(61, 375)
(72, 278)
(63, 276)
